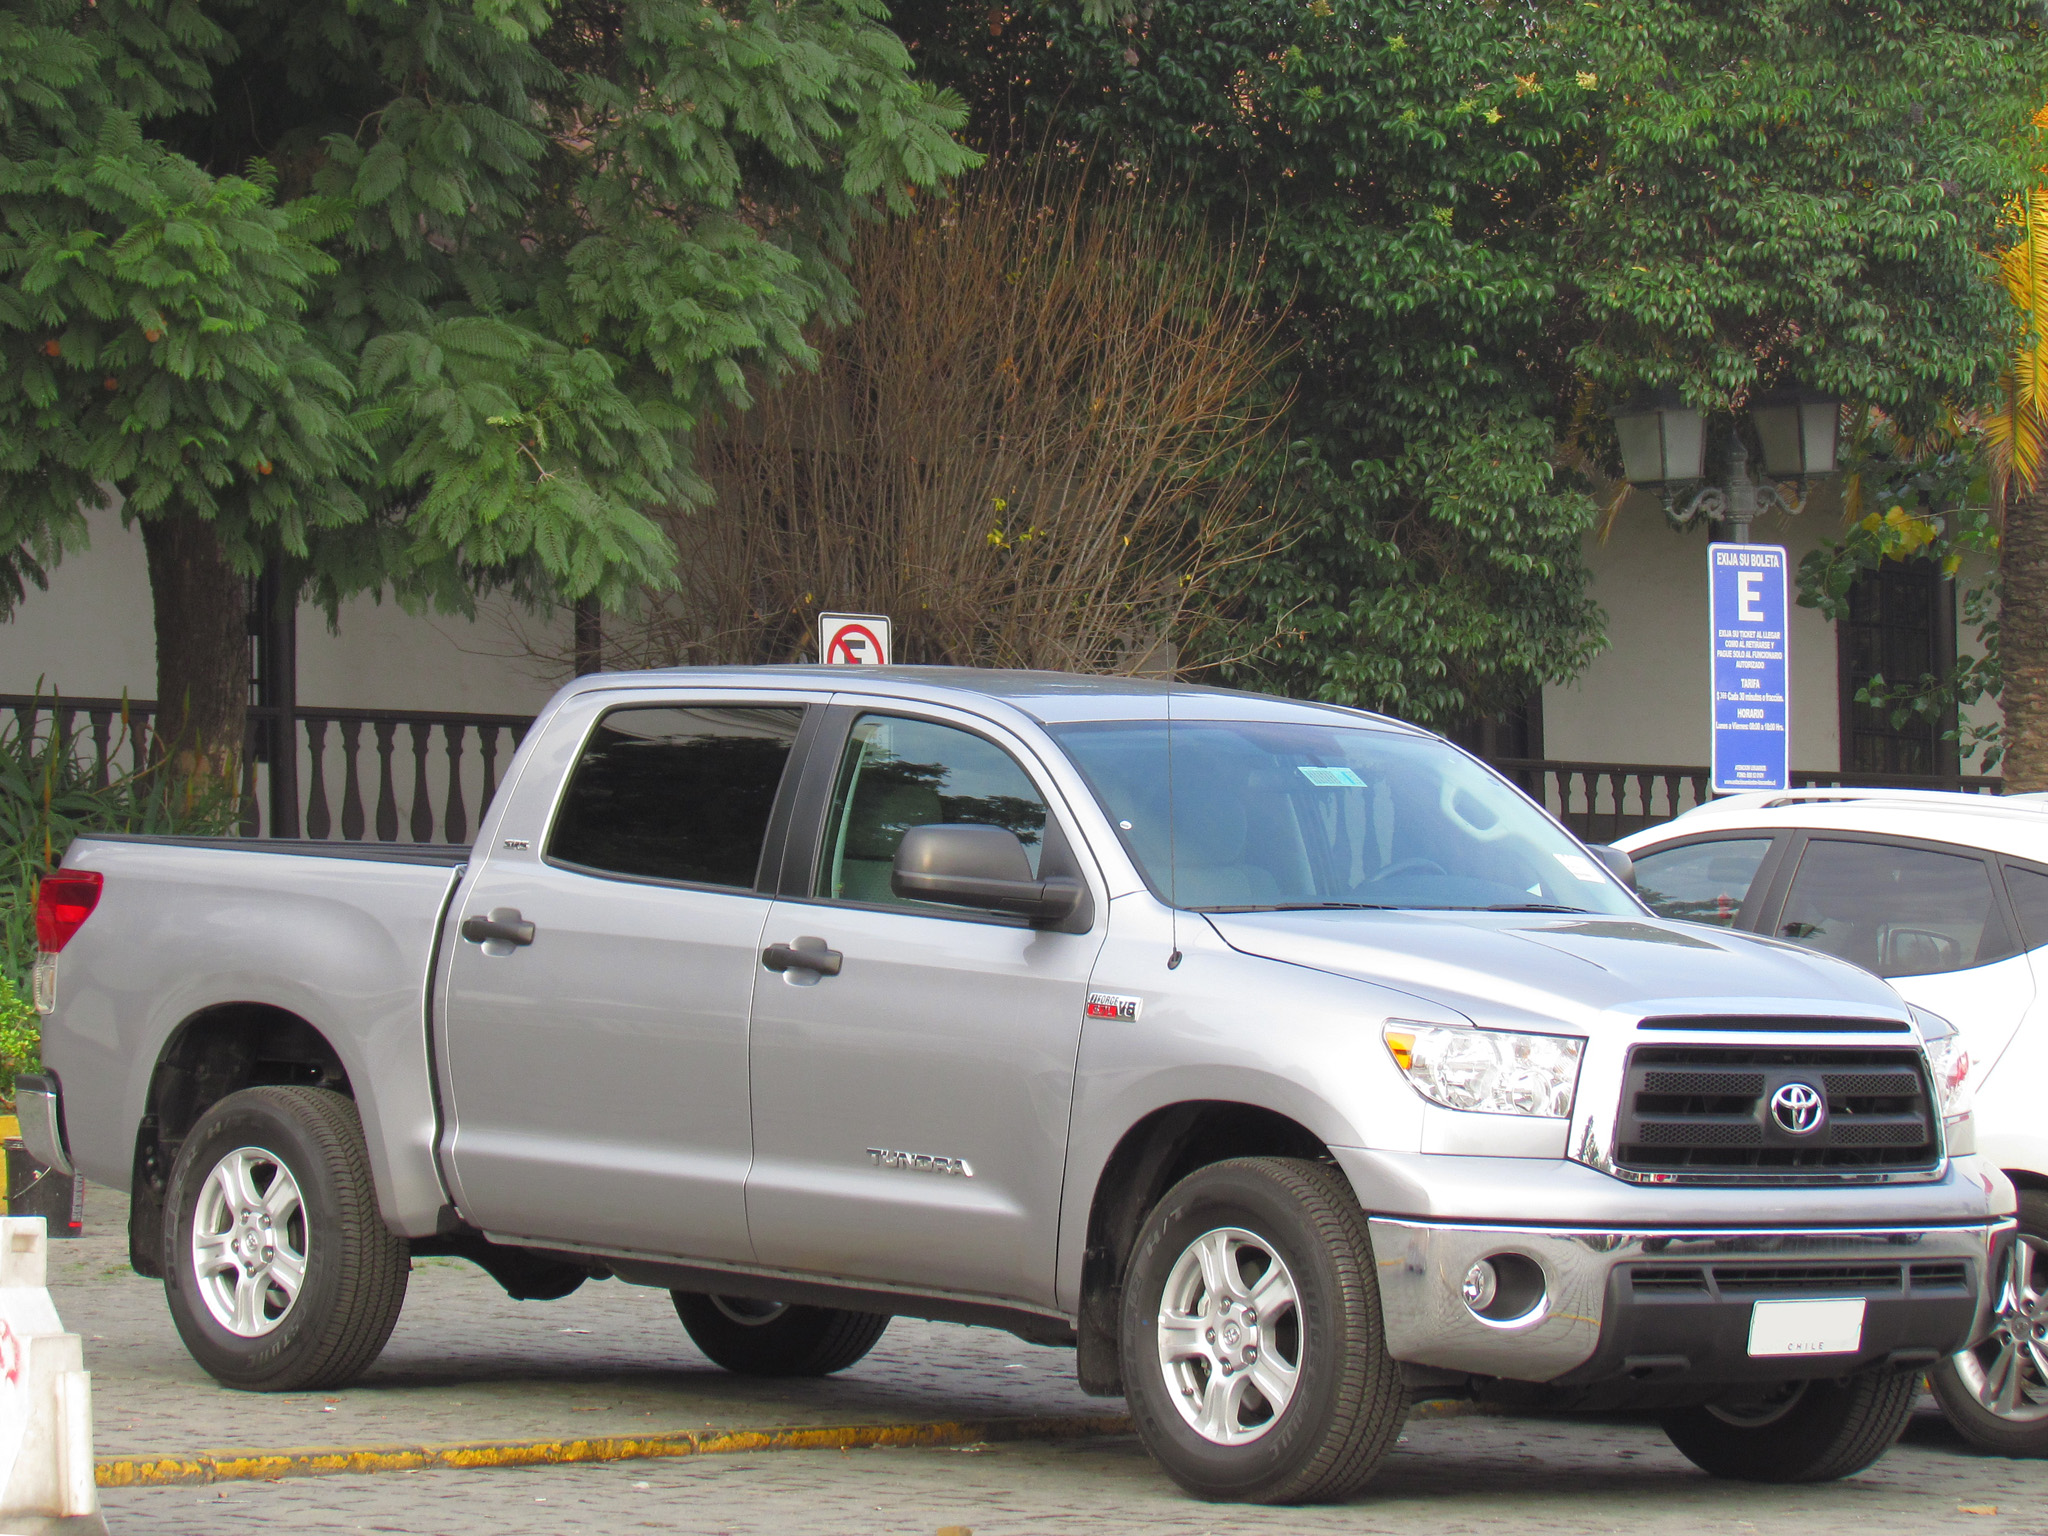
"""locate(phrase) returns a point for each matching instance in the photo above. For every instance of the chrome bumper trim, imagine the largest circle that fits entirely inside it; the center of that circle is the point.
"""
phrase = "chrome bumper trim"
(37, 1107)
(1421, 1266)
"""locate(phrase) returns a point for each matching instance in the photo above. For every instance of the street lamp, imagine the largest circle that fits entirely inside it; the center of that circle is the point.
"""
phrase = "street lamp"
(1663, 449)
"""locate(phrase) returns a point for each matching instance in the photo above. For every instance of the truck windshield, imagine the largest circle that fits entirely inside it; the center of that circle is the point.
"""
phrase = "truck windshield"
(1273, 817)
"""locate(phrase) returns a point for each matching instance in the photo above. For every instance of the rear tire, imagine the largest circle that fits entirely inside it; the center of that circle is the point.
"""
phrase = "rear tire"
(1996, 1393)
(753, 1338)
(293, 1282)
(1820, 1431)
(1254, 1360)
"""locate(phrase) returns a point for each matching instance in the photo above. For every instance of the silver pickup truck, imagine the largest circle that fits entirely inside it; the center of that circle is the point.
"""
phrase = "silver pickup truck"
(1283, 1059)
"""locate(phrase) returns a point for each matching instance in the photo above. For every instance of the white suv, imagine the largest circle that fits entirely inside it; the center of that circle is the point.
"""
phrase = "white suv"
(1944, 895)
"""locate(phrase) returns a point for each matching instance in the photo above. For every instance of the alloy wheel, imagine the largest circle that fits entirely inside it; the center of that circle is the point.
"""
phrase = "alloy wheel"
(2007, 1372)
(1230, 1336)
(249, 1242)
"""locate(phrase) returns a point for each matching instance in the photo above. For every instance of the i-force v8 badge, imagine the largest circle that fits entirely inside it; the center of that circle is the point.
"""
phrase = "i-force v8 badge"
(1108, 1005)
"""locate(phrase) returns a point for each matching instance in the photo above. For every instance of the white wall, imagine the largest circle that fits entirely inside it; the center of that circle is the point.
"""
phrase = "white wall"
(1645, 699)
(91, 635)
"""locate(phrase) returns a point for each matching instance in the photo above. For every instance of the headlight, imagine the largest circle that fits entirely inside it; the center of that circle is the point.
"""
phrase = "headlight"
(1949, 1060)
(1488, 1070)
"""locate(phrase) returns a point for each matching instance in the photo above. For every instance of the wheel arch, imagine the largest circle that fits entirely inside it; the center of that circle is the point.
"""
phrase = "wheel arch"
(1153, 1155)
(2027, 1178)
(216, 1051)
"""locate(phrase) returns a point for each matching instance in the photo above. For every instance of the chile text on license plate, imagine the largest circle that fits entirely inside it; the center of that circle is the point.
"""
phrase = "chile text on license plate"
(1803, 1327)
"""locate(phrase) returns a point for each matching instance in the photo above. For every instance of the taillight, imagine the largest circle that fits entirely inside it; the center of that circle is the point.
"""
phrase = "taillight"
(63, 902)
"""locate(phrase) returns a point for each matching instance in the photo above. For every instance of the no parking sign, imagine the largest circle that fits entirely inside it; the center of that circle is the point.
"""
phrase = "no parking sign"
(853, 639)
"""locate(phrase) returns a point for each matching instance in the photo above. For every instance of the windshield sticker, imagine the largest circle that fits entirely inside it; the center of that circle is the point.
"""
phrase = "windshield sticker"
(1579, 867)
(1331, 778)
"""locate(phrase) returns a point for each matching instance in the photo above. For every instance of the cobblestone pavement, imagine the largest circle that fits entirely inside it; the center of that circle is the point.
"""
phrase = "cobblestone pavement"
(1450, 1476)
(468, 1363)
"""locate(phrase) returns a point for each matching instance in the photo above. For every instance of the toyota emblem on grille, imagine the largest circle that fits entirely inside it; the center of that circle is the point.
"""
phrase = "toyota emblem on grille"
(1798, 1108)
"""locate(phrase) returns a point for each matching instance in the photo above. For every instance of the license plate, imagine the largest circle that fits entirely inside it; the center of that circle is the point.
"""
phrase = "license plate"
(1832, 1327)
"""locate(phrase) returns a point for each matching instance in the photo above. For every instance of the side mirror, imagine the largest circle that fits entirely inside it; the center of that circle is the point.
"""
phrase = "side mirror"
(1619, 864)
(976, 866)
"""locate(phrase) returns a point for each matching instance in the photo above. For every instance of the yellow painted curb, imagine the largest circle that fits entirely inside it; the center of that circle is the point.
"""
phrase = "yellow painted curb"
(228, 1466)
(327, 1461)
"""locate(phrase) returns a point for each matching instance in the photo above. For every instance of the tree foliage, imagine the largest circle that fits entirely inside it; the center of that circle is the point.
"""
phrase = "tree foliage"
(1492, 222)
(421, 294)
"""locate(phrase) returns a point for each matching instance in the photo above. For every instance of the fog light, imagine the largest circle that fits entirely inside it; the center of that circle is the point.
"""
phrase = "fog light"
(1482, 1284)
(1505, 1289)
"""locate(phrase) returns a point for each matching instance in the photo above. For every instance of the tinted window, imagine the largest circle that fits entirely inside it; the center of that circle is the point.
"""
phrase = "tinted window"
(898, 774)
(676, 794)
(1896, 911)
(2028, 889)
(1701, 882)
(1298, 814)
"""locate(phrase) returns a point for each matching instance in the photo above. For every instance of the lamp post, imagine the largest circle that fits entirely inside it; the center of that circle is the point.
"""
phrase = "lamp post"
(1663, 449)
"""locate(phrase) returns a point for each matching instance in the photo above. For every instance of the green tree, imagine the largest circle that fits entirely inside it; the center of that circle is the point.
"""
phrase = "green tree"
(1495, 221)
(414, 296)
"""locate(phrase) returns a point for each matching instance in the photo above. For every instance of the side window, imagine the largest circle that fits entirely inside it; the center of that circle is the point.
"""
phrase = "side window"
(1896, 911)
(1701, 882)
(898, 774)
(672, 793)
(2028, 889)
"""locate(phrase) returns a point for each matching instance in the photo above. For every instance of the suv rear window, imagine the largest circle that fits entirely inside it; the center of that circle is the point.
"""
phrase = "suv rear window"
(676, 793)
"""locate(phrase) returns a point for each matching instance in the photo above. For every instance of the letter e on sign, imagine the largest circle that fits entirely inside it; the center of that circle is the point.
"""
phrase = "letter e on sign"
(853, 639)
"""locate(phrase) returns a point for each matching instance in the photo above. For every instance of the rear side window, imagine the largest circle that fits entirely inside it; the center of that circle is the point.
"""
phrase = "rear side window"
(1894, 910)
(1701, 882)
(676, 793)
(2028, 889)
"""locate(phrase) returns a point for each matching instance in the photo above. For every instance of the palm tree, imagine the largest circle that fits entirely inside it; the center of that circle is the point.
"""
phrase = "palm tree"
(2018, 437)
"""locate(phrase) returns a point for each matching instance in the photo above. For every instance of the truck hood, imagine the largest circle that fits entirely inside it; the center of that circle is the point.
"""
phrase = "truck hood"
(1546, 968)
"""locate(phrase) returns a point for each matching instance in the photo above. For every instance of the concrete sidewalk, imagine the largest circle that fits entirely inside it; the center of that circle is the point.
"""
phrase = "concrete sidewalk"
(468, 1364)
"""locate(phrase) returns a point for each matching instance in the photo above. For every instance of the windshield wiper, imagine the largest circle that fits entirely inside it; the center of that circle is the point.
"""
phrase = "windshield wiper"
(1531, 906)
(1308, 906)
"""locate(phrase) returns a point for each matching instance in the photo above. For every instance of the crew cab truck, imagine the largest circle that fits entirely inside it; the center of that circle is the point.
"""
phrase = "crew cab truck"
(1283, 1059)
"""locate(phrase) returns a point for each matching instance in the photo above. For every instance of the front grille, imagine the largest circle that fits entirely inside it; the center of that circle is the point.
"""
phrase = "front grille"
(1706, 1109)
(1737, 1281)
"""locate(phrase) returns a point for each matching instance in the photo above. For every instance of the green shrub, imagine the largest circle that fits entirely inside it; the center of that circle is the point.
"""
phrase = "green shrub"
(49, 795)
(21, 1042)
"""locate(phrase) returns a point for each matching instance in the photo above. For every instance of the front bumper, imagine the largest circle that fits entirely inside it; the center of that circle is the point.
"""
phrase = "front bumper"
(1676, 1305)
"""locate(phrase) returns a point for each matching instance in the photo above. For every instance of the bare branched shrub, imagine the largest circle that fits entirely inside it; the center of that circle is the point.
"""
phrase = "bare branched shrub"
(1040, 445)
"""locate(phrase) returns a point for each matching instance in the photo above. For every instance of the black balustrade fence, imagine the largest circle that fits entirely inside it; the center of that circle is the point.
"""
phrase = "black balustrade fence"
(408, 776)
(376, 775)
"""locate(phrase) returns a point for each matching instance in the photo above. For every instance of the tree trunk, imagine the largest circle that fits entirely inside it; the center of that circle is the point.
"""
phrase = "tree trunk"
(2023, 640)
(202, 650)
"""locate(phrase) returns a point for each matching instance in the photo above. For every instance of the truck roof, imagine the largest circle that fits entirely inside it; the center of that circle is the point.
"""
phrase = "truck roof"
(1048, 697)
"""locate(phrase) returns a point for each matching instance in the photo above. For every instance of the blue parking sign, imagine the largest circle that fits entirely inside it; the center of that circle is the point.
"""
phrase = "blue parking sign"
(1752, 683)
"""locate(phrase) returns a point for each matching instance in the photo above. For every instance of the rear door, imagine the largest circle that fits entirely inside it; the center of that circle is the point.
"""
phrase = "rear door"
(911, 1111)
(596, 1073)
(1931, 918)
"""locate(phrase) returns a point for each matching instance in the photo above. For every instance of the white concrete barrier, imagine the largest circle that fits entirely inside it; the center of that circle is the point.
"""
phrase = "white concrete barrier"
(46, 1462)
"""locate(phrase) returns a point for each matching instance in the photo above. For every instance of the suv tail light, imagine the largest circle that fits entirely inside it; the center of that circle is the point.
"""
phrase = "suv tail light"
(64, 901)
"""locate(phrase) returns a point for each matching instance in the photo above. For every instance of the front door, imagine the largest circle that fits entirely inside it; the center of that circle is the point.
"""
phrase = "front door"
(596, 1073)
(910, 1111)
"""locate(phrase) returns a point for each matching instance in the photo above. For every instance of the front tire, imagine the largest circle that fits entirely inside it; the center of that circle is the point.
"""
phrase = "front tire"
(280, 1273)
(1996, 1392)
(772, 1338)
(1805, 1432)
(1254, 1360)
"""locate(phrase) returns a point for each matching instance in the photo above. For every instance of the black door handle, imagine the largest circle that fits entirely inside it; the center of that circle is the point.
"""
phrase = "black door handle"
(504, 924)
(806, 954)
